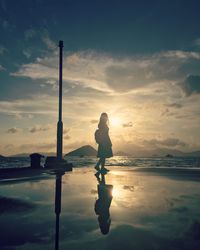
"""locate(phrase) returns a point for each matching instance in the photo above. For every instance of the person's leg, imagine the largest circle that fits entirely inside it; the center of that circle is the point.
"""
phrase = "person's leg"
(98, 164)
(103, 160)
(98, 177)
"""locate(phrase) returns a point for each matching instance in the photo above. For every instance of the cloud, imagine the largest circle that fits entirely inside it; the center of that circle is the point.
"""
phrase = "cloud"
(37, 70)
(108, 73)
(165, 112)
(5, 24)
(150, 89)
(74, 145)
(179, 54)
(9, 147)
(3, 5)
(2, 68)
(174, 105)
(29, 33)
(27, 53)
(42, 34)
(46, 105)
(67, 137)
(168, 142)
(47, 41)
(66, 131)
(83, 72)
(127, 125)
(40, 128)
(28, 147)
(66, 134)
(2, 50)
(197, 42)
(28, 106)
(191, 85)
(13, 130)
(94, 121)
(30, 116)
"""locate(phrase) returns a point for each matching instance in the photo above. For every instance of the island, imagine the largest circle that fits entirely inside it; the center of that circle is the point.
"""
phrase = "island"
(169, 156)
(85, 150)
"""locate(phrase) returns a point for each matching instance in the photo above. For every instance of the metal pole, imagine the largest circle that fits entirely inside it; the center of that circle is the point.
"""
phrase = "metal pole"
(60, 124)
(58, 190)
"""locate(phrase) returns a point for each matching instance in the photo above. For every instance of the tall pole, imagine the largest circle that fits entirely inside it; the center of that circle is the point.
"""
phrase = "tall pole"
(58, 197)
(60, 124)
(58, 207)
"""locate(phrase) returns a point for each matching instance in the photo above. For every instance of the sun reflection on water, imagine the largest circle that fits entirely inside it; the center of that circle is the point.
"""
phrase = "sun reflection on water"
(117, 192)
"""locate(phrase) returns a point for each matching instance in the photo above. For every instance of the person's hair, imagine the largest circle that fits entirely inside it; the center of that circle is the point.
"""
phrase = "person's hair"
(103, 121)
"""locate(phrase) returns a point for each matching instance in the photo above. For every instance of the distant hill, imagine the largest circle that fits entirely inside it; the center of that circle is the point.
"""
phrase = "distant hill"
(27, 154)
(2, 157)
(86, 150)
(167, 152)
(20, 155)
(193, 154)
(169, 156)
(172, 152)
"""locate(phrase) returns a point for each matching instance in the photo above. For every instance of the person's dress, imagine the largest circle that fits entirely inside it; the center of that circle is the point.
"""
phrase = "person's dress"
(105, 148)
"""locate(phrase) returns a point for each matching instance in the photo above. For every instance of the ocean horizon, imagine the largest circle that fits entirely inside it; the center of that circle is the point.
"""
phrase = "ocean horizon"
(120, 161)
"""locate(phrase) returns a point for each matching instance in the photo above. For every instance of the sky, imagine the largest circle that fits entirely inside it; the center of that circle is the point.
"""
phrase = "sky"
(138, 61)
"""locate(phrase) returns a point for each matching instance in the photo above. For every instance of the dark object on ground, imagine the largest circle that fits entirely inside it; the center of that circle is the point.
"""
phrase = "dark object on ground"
(53, 162)
(35, 160)
(21, 173)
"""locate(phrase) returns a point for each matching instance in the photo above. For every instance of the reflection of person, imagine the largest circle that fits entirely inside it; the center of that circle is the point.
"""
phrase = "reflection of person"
(103, 203)
(105, 145)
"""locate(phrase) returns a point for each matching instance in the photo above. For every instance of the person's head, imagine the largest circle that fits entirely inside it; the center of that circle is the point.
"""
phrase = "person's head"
(104, 119)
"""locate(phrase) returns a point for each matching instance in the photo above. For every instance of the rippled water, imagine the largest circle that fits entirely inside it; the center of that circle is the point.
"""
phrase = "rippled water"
(183, 162)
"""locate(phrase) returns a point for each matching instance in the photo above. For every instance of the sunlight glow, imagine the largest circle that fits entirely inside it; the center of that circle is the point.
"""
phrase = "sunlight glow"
(115, 121)
(117, 192)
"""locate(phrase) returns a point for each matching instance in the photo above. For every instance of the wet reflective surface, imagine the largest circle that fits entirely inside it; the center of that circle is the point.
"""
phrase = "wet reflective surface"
(137, 211)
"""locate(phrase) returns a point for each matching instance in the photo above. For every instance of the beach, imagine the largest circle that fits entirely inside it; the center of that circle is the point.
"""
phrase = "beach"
(150, 209)
(100, 138)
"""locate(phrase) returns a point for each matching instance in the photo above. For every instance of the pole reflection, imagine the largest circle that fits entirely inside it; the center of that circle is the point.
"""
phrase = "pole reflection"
(58, 193)
(103, 203)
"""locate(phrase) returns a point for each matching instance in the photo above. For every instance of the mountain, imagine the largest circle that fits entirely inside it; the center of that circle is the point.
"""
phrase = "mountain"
(20, 155)
(27, 154)
(86, 150)
(193, 154)
(137, 151)
(2, 157)
(176, 153)
(169, 156)
(163, 152)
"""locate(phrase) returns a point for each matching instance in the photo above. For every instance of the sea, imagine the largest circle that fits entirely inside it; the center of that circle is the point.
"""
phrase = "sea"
(120, 161)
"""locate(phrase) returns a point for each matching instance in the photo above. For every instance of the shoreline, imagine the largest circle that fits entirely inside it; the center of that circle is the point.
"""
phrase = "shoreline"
(28, 173)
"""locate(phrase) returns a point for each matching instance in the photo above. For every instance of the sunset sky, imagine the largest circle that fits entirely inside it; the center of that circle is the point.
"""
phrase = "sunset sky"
(139, 61)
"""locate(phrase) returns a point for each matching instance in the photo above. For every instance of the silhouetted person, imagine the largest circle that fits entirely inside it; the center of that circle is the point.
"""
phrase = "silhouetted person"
(103, 203)
(103, 139)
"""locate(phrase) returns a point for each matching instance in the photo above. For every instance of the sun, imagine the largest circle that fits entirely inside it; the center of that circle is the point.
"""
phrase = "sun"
(115, 121)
